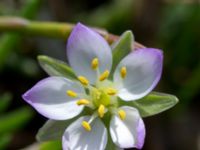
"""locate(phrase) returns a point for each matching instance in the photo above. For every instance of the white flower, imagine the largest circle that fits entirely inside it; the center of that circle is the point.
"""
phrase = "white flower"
(90, 56)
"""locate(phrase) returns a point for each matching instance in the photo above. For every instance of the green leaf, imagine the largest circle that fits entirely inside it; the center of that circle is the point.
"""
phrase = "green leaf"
(122, 47)
(153, 103)
(5, 100)
(5, 140)
(55, 145)
(15, 120)
(56, 67)
(53, 130)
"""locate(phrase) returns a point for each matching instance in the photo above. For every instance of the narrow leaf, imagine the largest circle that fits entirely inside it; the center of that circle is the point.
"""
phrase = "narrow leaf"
(122, 47)
(153, 103)
(5, 100)
(15, 120)
(56, 67)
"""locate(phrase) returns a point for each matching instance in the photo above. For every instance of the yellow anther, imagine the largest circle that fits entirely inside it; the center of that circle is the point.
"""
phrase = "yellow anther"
(111, 91)
(123, 72)
(122, 114)
(86, 126)
(101, 111)
(71, 93)
(95, 63)
(104, 75)
(83, 80)
(82, 102)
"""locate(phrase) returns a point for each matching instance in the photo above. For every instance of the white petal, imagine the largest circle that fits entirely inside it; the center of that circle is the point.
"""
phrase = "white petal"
(49, 98)
(83, 46)
(144, 67)
(130, 132)
(77, 138)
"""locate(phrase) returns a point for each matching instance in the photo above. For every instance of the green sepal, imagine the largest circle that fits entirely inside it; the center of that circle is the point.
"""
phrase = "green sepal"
(122, 47)
(54, 145)
(56, 67)
(153, 103)
(110, 145)
(52, 130)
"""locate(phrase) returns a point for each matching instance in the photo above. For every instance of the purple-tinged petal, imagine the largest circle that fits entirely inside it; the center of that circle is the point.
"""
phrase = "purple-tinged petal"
(83, 46)
(77, 138)
(144, 68)
(130, 132)
(49, 98)
(141, 134)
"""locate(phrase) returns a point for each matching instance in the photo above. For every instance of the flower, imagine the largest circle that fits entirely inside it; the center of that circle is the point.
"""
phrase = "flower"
(90, 57)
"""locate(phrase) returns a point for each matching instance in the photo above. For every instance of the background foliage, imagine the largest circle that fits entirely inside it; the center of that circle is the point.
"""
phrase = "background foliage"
(170, 25)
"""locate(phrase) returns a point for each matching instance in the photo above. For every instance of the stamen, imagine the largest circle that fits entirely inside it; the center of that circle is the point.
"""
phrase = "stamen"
(86, 126)
(104, 75)
(95, 63)
(71, 93)
(111, 91)
(83, 80)
(82, 102)
(123, 72)
(122, 114)
(101, 111)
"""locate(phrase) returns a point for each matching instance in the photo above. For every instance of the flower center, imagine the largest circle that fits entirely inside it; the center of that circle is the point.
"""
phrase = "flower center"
(100, 97)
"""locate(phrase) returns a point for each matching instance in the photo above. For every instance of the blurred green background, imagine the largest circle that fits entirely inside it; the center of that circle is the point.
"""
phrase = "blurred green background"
(173, 26)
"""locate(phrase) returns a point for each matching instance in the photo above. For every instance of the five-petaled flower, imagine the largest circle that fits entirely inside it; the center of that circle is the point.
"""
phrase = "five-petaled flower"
(90, 57)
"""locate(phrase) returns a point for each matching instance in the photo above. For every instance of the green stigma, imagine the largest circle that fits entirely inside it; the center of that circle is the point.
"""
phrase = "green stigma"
(100, 97)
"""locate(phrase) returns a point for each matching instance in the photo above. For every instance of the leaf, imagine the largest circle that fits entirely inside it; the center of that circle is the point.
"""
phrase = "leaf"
(55, 145)
(56, 67)
(53, 130)
(122, 47)
(153, 103)
(5, 100)
(15, 120)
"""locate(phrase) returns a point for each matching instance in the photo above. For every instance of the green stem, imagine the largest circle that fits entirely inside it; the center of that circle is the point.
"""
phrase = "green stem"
(47, 29)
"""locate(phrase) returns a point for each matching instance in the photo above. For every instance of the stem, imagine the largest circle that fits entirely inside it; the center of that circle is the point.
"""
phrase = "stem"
(48, 29)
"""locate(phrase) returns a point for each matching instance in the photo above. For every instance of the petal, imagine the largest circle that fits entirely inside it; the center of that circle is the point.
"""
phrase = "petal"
(49, 98)
(83, 46)
(130, 132)
(77, 138)
(144, 68)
